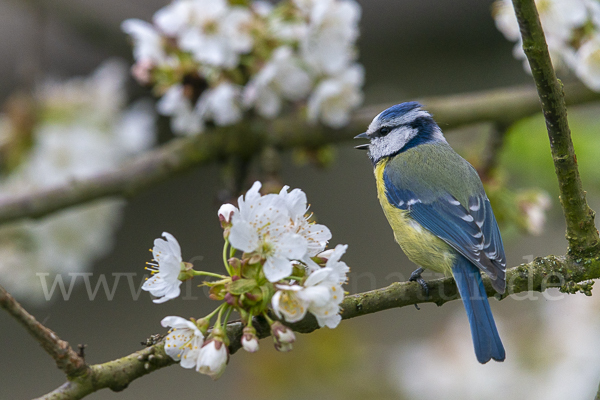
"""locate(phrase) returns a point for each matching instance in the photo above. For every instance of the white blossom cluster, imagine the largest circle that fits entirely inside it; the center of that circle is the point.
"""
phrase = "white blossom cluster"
(214, 60)
(276, 227)
(82, 127)
(572, 30)
(283, 268)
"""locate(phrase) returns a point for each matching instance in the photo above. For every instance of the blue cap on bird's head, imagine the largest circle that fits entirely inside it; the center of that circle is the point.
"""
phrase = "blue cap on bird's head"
(398, 129)
(398, 110)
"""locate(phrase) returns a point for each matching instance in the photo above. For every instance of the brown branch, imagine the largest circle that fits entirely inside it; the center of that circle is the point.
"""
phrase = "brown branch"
(539, 275)
(66, 358)
(581, 231)
(502, 106)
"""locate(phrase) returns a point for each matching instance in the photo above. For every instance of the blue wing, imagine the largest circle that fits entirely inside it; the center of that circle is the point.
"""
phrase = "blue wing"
(472, 231)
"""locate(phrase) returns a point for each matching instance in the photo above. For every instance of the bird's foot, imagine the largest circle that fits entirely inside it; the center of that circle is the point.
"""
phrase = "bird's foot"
(416, 277)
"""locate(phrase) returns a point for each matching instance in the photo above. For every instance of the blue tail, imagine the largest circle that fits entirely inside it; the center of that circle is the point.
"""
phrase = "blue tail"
(486, 340)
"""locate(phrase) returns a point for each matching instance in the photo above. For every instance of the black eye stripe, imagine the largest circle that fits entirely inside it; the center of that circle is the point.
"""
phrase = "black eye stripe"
(384, 130)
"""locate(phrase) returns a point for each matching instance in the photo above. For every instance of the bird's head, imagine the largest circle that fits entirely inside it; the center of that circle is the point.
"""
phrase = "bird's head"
(398, 129)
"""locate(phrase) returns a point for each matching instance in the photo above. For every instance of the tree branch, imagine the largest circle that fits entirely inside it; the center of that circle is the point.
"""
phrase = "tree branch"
(581, 231)
(66, 358)
(539, 275)
(502, 106)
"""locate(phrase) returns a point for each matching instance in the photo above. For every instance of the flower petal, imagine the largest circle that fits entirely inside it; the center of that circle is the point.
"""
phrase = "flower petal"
(243, 235)
(277, 268)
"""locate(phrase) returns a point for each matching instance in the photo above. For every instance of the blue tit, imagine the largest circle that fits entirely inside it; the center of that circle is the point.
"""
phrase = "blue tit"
(439, 212)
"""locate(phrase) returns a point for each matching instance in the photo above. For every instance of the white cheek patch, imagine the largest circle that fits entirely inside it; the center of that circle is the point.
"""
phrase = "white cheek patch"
(392, 143)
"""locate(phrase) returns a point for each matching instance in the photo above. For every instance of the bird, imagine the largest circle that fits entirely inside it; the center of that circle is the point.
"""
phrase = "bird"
(441, 216)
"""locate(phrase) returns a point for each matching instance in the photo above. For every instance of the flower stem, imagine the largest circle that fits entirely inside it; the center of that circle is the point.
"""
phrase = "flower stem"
(229, 310)
(269, 320)
(197, 273)
(227, 266)
(212, 314)
(218, 323)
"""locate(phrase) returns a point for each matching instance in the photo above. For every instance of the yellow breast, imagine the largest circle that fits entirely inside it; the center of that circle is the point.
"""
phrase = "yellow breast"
(421, 246)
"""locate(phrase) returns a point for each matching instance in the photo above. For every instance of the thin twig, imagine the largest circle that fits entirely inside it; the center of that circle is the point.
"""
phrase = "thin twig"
(539, 275)
(503, 106)
(66, 359)
(581, 231)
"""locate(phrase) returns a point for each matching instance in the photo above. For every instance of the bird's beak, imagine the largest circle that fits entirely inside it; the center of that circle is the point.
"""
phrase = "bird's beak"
(362, 146)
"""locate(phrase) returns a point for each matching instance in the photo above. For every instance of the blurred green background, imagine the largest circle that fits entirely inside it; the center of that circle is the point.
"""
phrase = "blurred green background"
(410, 49)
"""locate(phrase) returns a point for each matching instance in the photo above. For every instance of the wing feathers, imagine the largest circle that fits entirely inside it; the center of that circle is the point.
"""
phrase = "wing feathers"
(472, 231)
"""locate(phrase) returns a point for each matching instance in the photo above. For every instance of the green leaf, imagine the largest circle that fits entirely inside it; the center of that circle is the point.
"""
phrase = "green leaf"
(242, 286)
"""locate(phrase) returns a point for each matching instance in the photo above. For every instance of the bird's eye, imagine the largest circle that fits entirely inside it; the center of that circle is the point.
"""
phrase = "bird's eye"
(384, 130)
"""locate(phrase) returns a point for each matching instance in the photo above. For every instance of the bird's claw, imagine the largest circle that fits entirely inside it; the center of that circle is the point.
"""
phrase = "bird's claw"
(416, 277)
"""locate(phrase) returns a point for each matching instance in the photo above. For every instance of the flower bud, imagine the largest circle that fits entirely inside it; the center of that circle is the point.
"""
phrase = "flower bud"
(213, 358)
(231, 299)
(283, 336)
(283, 347)
(142, 71)
(250, 340)
(235, 264)
(225, 213)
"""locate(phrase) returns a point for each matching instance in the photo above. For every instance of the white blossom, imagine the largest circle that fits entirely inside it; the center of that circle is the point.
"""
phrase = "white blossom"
(317, 236)
(281, 78)
(83, 129)
(305, 42)
(165, 268)
(588, 63)
(535, 207)
(262, 225)
(174, 18)
(288, 30)
(133, 126)
(321, 294)
(218, 33)
(506, 20)
(184, 341)
(185, 119)
(333, 99)
(262, 7)
(213, 358)
(221, 104)
(326, 254)
(559, 18)
(331, 32)
(147, 41)
(593, 7)
(288, 303)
